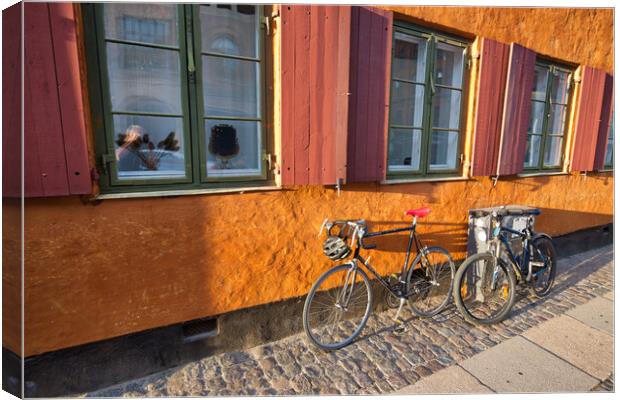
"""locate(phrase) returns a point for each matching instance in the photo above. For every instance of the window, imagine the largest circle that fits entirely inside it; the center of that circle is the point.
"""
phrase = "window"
(181, 95)
(548, 118)
(428, 80)
(609, 150)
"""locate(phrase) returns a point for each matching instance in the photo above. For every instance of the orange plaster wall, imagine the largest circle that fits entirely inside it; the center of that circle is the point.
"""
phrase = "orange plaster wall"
(94, 272)
(574, 35)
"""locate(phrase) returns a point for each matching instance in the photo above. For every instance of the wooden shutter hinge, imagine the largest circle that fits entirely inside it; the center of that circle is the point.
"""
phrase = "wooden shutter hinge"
(272, 164)
(106, 159)
(267, 24)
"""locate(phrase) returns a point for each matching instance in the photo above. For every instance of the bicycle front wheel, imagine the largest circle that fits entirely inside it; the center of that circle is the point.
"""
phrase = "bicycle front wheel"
(337, 307)
(543, 266)
(484, 289)
(429, 282)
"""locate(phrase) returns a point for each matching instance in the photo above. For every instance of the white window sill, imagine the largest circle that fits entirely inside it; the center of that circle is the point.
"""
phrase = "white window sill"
(541, 173)
(185, 192)
(424, 179)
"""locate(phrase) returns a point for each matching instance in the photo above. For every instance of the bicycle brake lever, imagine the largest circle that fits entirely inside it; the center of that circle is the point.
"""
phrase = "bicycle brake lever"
(322, 227)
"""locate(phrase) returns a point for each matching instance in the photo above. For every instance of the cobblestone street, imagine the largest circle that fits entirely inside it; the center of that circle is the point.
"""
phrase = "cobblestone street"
(380, 362)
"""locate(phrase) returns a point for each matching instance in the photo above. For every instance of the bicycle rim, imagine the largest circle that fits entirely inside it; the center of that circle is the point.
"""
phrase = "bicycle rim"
(337, 307)
(485, 290)
(430, 283)
(543, 275)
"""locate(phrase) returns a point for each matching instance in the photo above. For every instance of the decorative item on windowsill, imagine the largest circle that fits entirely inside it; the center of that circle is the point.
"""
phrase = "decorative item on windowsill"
(139, 143)
(223, 144)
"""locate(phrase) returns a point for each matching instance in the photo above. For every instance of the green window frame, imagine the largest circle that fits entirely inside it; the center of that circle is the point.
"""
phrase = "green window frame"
(549, 116)
(203, 149)
(609, 148)
(427, 103)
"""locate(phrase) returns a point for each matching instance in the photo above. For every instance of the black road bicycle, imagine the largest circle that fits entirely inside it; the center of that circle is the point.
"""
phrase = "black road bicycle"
(484, 288)
(340, 301)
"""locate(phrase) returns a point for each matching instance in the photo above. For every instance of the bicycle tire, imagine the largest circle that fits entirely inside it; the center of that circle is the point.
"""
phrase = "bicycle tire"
(543, 247)
(467, 299)
(328, 286)
(431, 282)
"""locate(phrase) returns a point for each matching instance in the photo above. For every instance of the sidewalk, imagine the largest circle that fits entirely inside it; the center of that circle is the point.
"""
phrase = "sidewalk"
(563, 343)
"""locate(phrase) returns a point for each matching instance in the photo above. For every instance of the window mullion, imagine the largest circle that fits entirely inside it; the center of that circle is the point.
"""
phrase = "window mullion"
(428, 106)
(545, 127)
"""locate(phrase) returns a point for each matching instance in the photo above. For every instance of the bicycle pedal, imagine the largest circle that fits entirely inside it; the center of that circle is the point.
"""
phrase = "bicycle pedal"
(400, 328)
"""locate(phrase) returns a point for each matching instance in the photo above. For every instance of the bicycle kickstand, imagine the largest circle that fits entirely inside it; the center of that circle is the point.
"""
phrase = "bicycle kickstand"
(400, 328)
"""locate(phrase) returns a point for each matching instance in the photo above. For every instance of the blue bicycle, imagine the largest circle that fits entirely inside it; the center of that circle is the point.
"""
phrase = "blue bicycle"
(485, 284)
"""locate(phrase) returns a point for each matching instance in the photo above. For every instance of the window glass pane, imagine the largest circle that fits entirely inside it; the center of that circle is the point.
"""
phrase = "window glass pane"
(144, 79)
(409, 57)
(446, 108)
(609, 151)
(537, 117)
(532, 151)
(229, 29)
(230, 87)
(233, 147)
(539, 92)
(557, 119)
(553, 151)
(404, 149)
(149, 147)
(407, 104)
(449, 65)
(149, 23)
(444, 145)
(559, 87)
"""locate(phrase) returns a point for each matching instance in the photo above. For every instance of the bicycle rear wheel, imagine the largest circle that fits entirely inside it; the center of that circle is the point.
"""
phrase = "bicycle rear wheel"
(337, 307)
(484, 289)
(430, 282)
(544, 266)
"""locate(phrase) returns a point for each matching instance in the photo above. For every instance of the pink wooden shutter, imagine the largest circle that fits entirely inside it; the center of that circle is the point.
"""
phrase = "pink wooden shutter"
(588, 122)
(371, 48)
(490, 104)
(315, 79)
(606, 115)
(517, 108)
(11, 104)
(55, 152)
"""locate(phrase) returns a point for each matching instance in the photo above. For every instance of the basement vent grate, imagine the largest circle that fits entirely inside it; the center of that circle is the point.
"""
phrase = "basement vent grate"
(200, 329)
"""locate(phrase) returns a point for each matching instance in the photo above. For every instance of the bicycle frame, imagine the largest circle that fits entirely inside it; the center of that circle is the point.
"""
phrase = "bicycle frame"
(413, 238)
(521, 266)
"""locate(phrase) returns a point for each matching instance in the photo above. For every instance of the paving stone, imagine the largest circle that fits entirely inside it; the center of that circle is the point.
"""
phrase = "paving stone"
(597, 313)
(518, 365)
(449, 380)
(586, 348)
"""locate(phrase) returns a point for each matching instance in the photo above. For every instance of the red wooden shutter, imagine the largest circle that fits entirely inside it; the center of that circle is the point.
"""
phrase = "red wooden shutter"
(606, 115)
(588, 124)
(371, 48)
(490, 104)
(315, 79)
(55, 152)
(11, 105)
(64, 37)
(517, 108)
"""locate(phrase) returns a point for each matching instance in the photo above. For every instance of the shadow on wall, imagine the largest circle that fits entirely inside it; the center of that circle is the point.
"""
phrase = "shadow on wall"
(554, 221)
(451, 236)
(421, 189)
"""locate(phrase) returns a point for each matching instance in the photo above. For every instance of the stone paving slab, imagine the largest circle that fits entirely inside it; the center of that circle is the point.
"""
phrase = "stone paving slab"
(582, 346)
(598, 313)
(379, 362)
(520, 366)
(453, 379)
